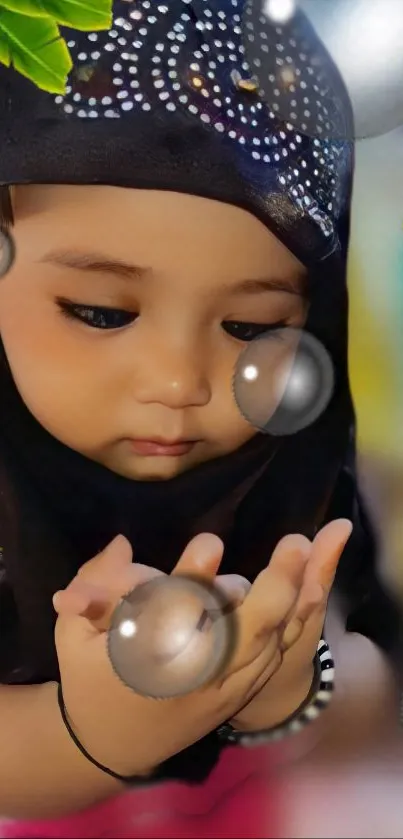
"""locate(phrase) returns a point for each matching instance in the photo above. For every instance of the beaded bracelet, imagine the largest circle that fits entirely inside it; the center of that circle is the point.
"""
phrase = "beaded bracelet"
(317, 700)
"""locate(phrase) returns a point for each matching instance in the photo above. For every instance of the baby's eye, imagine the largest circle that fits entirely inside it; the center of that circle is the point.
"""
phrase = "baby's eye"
(98, 317)
(248, 331)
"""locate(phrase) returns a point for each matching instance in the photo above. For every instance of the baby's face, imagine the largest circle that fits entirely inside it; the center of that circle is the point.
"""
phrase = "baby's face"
(125, 313)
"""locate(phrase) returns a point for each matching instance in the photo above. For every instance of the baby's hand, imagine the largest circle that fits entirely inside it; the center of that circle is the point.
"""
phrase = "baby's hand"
(117, 726)
(290, 685)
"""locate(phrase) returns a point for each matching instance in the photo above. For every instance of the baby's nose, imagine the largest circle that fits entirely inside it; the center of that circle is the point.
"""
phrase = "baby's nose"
(173, 376)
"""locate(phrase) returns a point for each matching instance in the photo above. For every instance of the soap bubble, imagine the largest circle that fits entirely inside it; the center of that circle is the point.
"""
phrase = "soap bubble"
(170, 636)
(283, 381)
(7, 252)
(279, 11)
(288, 44)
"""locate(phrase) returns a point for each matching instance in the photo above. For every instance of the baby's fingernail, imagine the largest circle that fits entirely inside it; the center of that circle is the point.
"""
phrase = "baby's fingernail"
(347, 528)
(56, 600)
(208, 549)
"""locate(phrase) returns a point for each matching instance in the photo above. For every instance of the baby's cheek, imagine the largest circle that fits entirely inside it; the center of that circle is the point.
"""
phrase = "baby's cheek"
(62, 403)
(236, 432)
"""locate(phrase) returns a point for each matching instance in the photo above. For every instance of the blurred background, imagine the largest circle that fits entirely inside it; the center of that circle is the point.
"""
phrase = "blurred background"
(355, 790)
(376, 333)
(359, 795)
(365, 40)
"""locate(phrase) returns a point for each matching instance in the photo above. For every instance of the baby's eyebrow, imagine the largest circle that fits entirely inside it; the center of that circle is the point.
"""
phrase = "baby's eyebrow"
(96, 263)
(289, 285)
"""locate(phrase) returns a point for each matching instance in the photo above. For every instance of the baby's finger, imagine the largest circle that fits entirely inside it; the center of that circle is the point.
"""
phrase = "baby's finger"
(82, 599)
(312, 599)
(202, 557)
(89, 593)
(104, 567)
(327, 549)
(273, 595)
(234, 588)
(97, 603)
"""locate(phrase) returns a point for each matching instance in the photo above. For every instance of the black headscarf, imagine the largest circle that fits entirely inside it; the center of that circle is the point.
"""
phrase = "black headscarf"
(161, 102)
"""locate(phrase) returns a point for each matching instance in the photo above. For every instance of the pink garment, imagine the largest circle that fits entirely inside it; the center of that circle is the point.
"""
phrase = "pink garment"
(237, 801)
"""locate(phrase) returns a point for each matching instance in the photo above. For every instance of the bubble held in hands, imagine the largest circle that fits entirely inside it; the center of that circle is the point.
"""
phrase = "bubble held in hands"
(170, 636)
(364, 41)
(7, 252)
(283, 381)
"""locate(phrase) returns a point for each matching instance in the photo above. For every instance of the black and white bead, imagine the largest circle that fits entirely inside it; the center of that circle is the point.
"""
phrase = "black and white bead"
(305, 715)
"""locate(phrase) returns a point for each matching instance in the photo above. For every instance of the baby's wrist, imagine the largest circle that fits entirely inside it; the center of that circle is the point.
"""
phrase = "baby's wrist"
(111, 754)
(308, 711)
(262, 714)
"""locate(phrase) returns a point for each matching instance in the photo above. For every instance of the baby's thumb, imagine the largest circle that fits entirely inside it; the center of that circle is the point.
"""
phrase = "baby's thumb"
(91, 593)
(102, 569)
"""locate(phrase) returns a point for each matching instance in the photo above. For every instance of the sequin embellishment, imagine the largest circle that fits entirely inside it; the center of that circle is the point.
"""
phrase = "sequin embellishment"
(188, 56)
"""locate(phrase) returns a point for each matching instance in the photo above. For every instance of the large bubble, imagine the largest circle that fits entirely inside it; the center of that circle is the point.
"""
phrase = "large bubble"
(170, 636)
(283, 381)
(364, 38)
(7, 252)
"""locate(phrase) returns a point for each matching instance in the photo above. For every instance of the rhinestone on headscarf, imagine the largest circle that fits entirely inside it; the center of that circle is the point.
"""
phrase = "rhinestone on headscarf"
(248, 85)
(188, 56)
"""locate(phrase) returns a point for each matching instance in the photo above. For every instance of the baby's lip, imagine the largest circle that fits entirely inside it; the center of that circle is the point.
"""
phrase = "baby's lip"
(157, 447)
(161, 441)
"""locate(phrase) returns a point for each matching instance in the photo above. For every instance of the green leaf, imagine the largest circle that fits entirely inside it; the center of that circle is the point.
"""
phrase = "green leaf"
(37, 50)
(33, 8)
(85, 15)
(5, 57)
